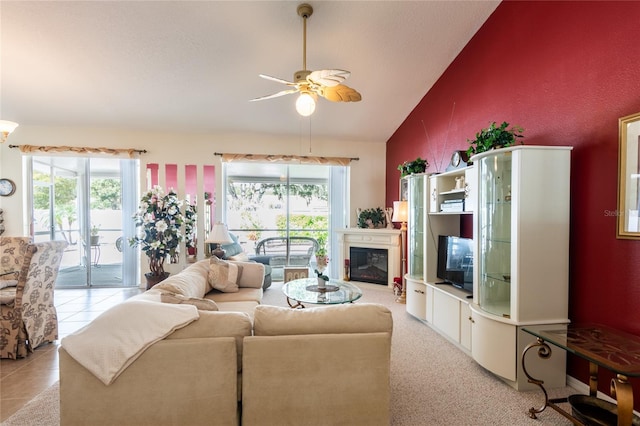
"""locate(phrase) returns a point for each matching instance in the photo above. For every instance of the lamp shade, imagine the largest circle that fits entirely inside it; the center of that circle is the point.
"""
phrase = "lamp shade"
(6, 127)
(219, 234)
(400, 211)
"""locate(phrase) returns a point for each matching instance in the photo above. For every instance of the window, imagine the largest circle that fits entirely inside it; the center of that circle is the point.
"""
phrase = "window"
(279, 200)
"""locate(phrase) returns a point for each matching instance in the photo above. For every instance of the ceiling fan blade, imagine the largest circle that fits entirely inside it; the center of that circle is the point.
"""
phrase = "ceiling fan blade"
(329, 78)
(275, 95)
(277, 80)
(340, 93)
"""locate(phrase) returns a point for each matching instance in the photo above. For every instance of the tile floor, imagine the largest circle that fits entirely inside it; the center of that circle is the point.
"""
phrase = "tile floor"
(21, 380)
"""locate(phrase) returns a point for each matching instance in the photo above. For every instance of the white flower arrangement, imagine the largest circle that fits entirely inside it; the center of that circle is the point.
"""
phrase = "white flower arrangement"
(159, 220)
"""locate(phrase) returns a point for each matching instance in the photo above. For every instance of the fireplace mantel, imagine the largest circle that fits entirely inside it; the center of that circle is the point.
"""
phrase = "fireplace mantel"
(385, 238)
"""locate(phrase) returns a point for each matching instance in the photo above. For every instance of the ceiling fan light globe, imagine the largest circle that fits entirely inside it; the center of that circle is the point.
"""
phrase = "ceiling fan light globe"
(305, 105)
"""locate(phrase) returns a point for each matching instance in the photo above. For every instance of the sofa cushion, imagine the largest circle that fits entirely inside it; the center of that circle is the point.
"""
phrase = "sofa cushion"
(243, 294)
(338, 319)
(234, 324)
(191, 282)
(252, 274)
(201, 304)
(246, 307)
(223, 275)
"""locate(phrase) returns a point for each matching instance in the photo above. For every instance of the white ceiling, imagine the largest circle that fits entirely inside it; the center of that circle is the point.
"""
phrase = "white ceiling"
(193, 66)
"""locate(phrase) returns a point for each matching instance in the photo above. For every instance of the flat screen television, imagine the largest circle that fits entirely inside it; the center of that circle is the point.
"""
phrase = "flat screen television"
(455, 261)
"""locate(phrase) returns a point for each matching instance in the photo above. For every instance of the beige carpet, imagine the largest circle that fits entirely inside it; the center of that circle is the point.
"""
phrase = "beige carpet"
(432, 382)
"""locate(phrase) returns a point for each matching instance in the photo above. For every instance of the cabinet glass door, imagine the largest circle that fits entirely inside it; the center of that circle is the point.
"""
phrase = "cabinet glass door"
(494, 287)
(416, 228)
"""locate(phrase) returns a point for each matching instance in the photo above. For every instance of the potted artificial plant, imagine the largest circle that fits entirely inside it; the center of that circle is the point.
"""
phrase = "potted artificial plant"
(158, 220)
(494, 137)
(371, 218)
(410, 167)
(94, 237)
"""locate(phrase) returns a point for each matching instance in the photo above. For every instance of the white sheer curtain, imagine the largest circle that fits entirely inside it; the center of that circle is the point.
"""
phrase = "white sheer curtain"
(338, 211)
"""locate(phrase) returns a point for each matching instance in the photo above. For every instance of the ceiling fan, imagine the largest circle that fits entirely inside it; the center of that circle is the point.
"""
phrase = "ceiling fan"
(310, 84)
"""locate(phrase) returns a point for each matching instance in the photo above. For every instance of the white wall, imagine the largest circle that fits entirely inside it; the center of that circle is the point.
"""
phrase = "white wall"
(367, 174)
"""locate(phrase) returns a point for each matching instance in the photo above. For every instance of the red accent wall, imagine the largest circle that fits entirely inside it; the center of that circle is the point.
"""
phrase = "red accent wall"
(565, 71)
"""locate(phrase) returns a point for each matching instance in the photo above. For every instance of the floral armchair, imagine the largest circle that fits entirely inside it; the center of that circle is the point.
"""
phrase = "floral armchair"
(12, 253)
(28, 316)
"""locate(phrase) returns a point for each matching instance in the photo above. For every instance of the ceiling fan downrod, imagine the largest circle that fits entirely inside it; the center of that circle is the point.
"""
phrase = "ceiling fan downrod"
(305, 11)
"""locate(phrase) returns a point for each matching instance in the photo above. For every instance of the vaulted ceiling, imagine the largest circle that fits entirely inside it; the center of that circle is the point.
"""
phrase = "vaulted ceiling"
(192, 66)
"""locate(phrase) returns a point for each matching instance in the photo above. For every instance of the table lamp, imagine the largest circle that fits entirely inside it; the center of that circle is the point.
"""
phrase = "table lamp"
(219, 235)
(401, 214)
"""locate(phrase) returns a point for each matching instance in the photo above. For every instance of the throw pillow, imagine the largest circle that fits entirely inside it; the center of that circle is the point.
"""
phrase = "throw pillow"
(224, 276)
(201, 304)
(191, 282)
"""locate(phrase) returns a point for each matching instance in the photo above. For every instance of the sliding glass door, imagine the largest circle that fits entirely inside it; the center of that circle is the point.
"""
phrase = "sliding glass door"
(81, 200)
(266, 200)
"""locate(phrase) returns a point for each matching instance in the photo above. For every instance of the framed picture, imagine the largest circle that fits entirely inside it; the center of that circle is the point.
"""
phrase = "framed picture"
(628, 178)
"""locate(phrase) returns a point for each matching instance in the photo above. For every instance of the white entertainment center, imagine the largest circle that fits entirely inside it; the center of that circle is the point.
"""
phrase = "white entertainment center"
(519, 199)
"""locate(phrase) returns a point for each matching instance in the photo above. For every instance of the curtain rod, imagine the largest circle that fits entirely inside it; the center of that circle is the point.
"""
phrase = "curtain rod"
(139, 151)
(220, 154)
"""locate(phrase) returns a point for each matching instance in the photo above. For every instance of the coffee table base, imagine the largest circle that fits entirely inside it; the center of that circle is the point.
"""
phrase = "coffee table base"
(297, 305)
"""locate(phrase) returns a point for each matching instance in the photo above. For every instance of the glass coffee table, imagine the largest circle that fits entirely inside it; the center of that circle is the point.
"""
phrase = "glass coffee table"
(305, 290)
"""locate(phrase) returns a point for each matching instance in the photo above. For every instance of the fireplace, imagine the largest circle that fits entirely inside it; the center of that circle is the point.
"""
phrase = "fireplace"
(377, 254)
(369, 265)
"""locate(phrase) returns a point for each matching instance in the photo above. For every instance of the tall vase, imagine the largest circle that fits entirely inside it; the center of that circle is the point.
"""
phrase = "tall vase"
(155, 279)
(321, 283)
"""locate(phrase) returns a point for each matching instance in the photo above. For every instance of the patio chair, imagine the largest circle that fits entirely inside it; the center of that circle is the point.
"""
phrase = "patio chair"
(28, 316)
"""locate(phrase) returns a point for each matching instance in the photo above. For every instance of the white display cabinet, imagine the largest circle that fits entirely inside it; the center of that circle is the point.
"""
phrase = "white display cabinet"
(521, 255)
(416, 225)
(443, 307)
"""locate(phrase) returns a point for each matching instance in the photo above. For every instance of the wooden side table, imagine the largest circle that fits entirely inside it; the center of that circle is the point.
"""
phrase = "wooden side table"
(602, 346)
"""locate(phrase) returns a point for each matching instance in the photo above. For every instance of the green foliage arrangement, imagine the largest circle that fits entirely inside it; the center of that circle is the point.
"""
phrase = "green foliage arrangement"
(321, 274)
(410, 167)
(371, 218)
(494, 137)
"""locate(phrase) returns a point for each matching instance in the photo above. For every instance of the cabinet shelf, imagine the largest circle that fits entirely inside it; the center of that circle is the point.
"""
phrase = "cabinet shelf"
(451, 290)
(497, 276)
(500, 240)
(453, 191)
(450, 213)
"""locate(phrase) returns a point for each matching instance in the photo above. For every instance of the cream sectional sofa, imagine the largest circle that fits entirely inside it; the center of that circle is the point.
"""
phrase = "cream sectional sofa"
(245, 363)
